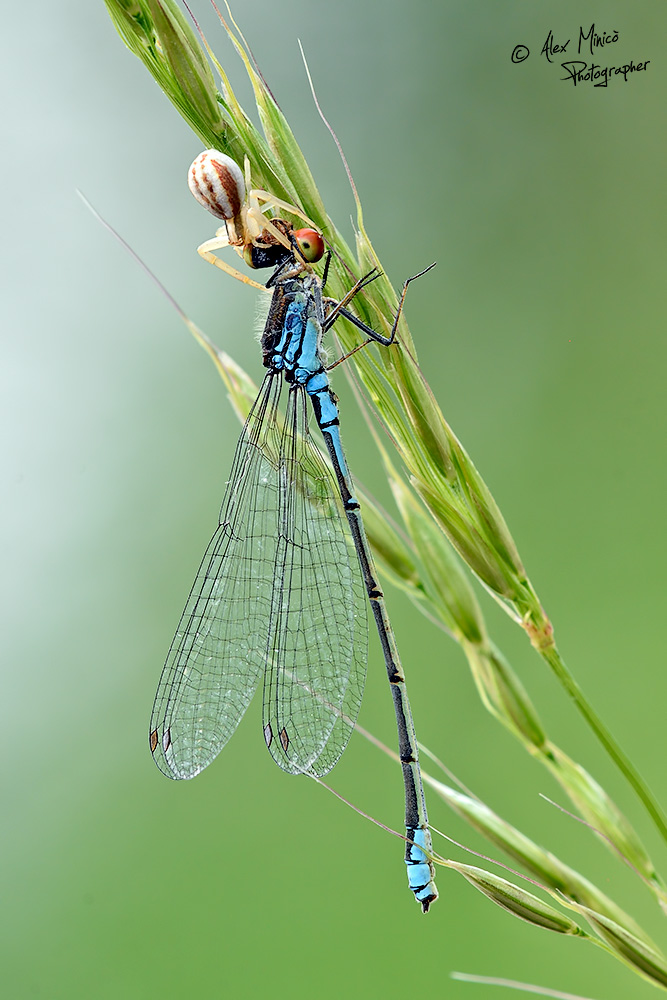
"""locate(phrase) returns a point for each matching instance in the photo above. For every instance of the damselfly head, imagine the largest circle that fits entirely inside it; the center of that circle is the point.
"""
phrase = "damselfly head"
(217, 183)
(270, 251)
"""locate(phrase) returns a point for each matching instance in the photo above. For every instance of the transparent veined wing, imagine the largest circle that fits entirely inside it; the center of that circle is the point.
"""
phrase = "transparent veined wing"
(317, 639)
(279, 594)
(217, 656)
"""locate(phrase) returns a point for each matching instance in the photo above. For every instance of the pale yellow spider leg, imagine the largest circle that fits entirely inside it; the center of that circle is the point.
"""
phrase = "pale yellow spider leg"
(266, 224)
(246, 170)
(272, 202)
(254, 222)
(206, 251)
(222, 238)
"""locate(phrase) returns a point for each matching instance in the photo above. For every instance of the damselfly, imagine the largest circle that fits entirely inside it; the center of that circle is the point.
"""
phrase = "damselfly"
(279, 595)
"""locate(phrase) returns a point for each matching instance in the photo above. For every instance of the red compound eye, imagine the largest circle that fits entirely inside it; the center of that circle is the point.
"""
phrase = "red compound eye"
(310, 243)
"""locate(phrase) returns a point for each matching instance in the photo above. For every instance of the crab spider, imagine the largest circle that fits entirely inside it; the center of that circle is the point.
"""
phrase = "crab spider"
(217, 183)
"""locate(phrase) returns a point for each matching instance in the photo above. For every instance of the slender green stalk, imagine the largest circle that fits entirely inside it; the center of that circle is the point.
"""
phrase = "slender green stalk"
(627, 768)
(513, 984)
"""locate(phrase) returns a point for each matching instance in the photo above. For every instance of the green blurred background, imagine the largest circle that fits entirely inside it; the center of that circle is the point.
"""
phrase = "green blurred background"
(541, 332)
